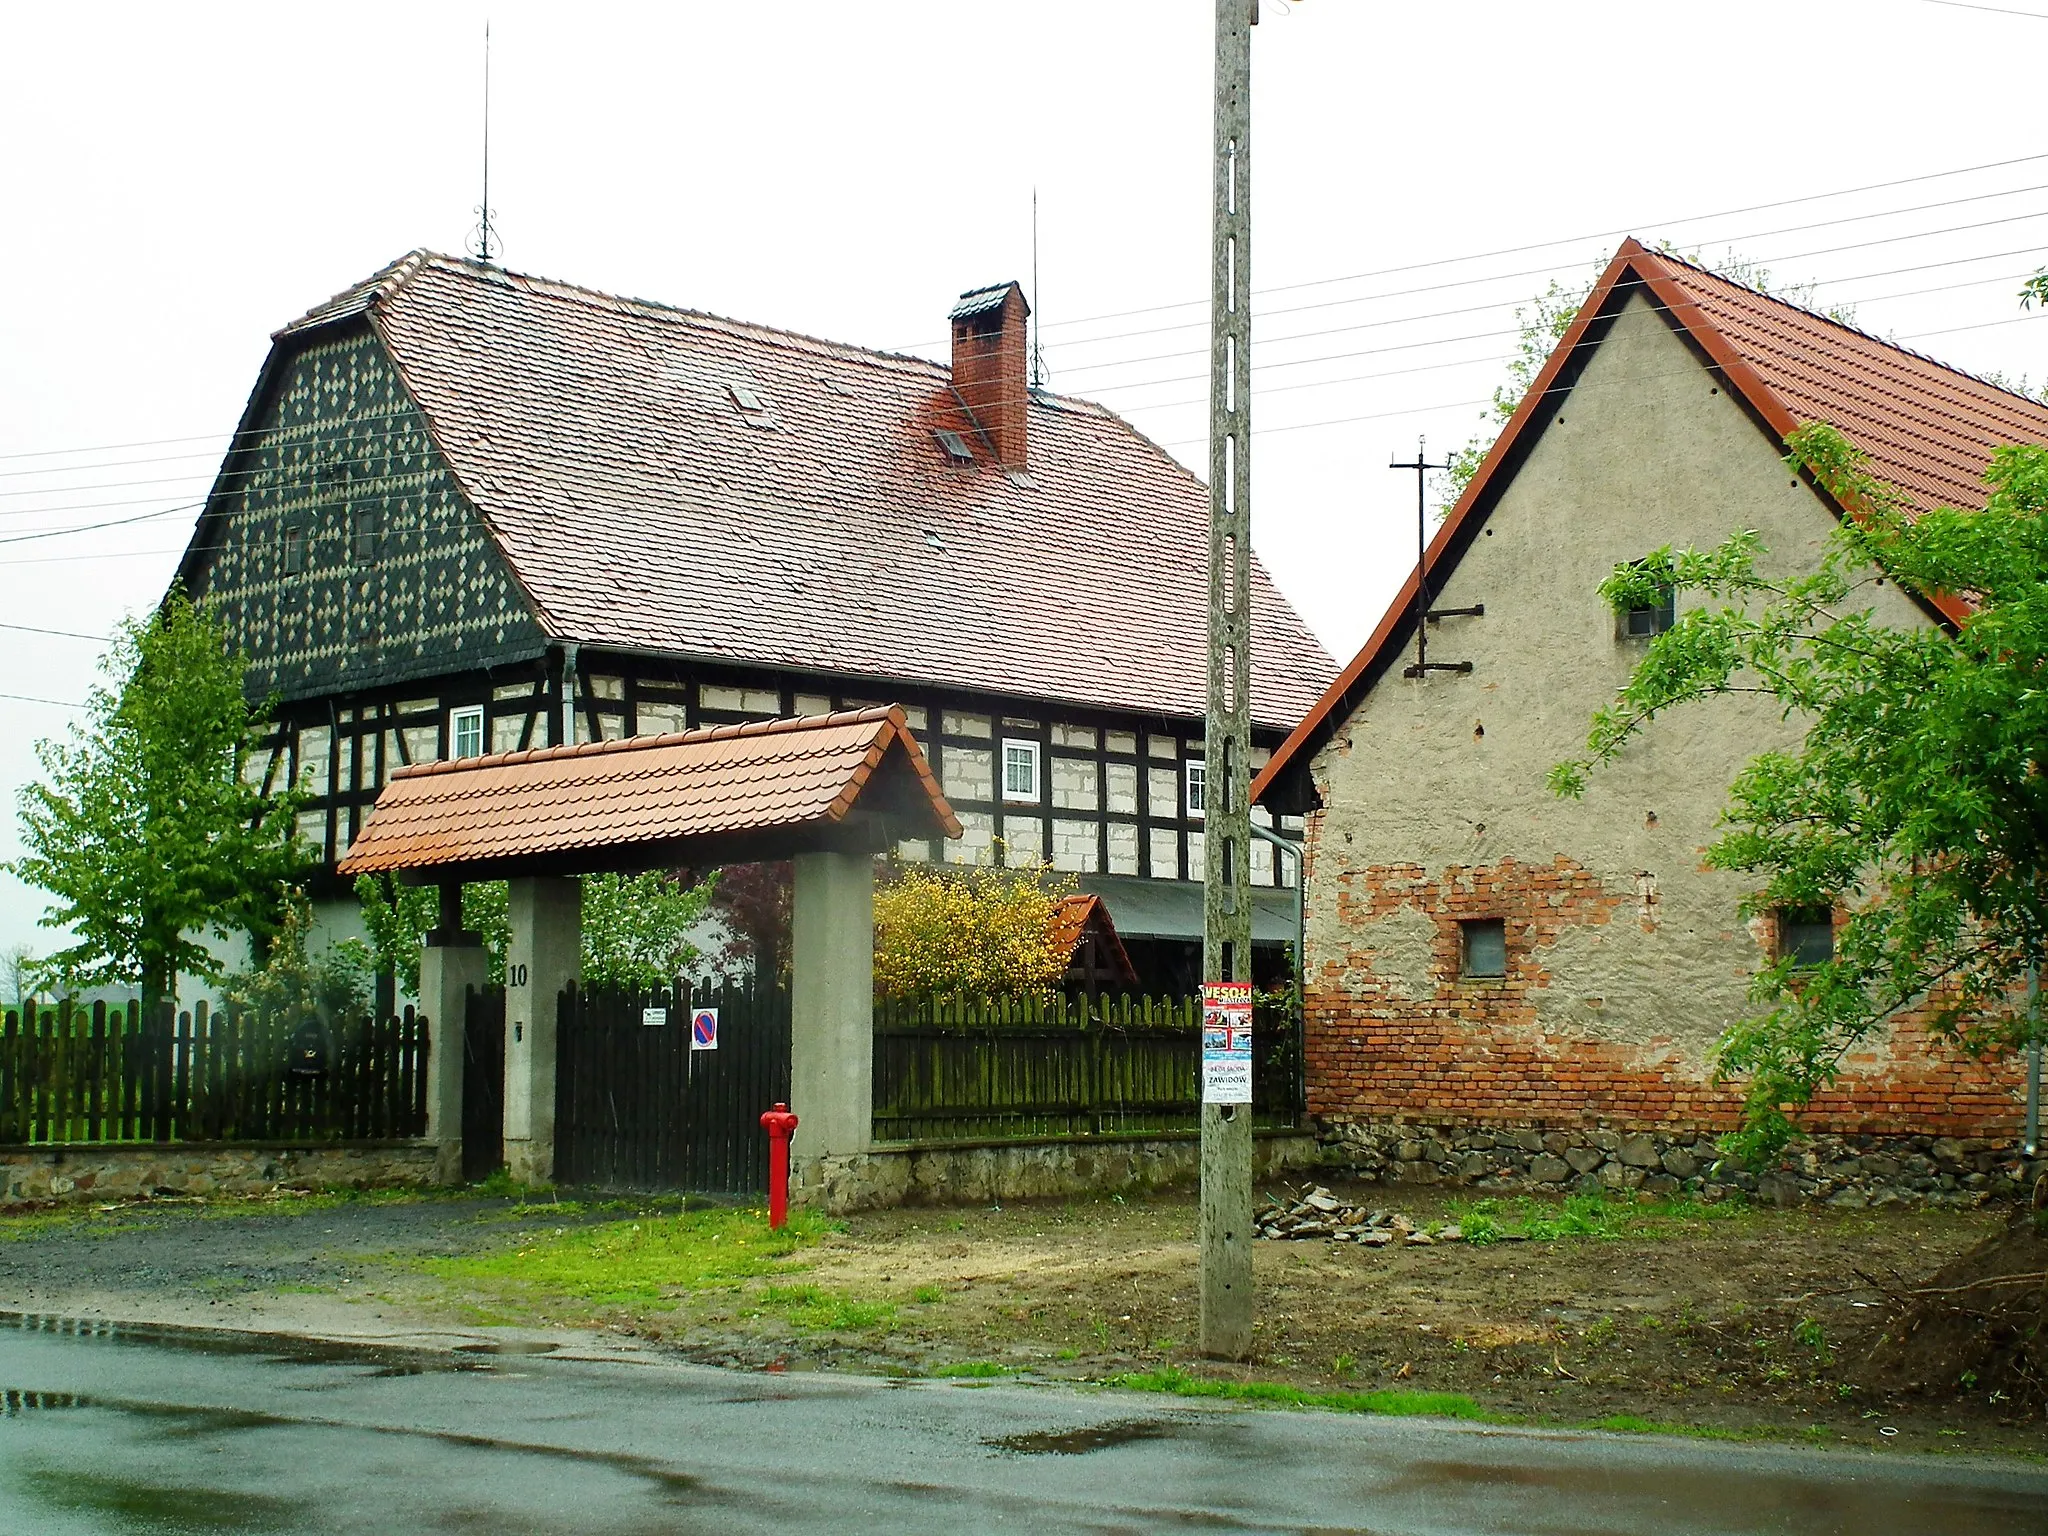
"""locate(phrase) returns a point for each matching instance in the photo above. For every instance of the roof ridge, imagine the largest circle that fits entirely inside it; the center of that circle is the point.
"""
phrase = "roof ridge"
(1671, 258)
(358, 296)
(660, 309)
(875, 715)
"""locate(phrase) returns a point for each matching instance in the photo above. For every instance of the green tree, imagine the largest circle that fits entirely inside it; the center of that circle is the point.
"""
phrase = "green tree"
(146, 831)
(1916, 800)
(636, 928)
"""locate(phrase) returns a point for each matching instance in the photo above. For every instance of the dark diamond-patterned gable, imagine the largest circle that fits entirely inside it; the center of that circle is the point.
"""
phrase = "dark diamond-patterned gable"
(339, 451)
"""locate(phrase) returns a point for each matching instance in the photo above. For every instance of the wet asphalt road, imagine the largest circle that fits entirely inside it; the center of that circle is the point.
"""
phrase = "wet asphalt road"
(111, 1430)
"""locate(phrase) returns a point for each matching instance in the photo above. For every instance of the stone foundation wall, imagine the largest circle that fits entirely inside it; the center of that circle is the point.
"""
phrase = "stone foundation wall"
(996, 1171)
(35, 1175)
(1853, 1171)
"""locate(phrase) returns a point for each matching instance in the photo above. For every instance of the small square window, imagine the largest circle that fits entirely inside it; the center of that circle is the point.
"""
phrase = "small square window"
(1806, 936)
(363, 533)
(466, 731)
(1020, 770)
(1652, 619)
(294, 551)
(1483, 945)
(1198, 788)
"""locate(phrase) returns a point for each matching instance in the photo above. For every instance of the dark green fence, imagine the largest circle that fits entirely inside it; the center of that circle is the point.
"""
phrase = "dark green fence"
(1025, 1069)
(74, 1074)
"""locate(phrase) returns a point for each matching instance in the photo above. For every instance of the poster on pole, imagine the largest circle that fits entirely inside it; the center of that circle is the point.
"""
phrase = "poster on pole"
(1226, 1042)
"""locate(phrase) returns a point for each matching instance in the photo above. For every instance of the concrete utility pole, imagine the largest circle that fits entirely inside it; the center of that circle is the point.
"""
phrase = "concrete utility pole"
(1227, 893)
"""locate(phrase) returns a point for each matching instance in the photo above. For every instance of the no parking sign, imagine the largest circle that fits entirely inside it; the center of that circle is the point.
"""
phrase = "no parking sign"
(704, 1029)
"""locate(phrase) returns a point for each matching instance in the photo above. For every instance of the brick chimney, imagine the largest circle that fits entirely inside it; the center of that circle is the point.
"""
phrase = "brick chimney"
(989, 371)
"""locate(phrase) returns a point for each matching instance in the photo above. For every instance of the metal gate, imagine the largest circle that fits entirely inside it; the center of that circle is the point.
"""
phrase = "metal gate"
(483, 1083)
(637, 1108)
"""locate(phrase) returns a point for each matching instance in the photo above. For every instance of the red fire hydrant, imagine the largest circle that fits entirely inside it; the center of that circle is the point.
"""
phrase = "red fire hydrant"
(780, 1125)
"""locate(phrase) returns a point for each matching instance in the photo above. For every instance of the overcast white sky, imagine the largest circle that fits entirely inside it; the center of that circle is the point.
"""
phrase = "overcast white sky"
(180, 180)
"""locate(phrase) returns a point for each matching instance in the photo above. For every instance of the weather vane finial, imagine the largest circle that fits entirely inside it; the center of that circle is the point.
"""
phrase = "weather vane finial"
(484, 243)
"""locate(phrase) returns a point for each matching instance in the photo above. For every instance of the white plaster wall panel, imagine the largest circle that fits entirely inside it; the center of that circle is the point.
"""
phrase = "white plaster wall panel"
(811, 704)
(1064, 735)
(506, 731)
(968, 774)
(422, 743)
(1125, 742)
(1074, 846)
(602, 687)
(659, 719)
(956, 724)
(1162, 788)
(1023, 841)
(976, 842)
(1165, 853)
(1122, 788)
(1123, 848)
(1075, 786)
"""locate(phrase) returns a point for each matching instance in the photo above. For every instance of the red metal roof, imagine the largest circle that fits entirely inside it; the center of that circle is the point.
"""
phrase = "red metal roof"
(1928, 429)
(640, 507)
(613, 804)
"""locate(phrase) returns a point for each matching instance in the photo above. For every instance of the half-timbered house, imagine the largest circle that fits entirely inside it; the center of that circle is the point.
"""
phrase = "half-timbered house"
(468, 510)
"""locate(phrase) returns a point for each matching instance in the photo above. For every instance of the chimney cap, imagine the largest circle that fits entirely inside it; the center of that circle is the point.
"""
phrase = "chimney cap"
(982, 301)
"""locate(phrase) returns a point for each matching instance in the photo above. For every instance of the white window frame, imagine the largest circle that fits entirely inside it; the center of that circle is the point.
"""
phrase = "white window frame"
(1195, 778)
(1030, 750)
(457, 718)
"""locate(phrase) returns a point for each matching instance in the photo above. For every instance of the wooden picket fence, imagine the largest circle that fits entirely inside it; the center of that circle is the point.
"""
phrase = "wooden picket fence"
(73, 1074)
(950, 1069)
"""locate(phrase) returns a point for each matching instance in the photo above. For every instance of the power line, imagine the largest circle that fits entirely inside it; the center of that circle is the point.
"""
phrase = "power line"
(231, 436)
(68, 634)
(1996, 10)
(30, 698)
(1540, 245)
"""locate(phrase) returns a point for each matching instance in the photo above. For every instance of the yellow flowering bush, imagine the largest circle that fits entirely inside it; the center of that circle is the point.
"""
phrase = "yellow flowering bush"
(981, 932)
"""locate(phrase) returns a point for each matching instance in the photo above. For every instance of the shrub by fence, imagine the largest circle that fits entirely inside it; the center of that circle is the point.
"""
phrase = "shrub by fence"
(75, 1074)
(971, 1069)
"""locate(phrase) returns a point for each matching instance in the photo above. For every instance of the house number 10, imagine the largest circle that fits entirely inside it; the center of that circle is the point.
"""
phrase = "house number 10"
(515, 975)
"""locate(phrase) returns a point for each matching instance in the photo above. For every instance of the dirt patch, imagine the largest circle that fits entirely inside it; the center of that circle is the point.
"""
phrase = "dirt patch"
(1755, 1323)
(1977, 1326)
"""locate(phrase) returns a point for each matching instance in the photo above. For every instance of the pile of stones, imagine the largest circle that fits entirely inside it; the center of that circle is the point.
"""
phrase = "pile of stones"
(1319, 1214)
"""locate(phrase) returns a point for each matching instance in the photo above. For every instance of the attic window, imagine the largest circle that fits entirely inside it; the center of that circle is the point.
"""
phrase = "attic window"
(955, 445)
(753, 409)
(294, 551)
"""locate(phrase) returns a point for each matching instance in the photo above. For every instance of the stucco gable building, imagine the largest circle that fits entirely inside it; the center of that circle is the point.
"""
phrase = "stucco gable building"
(1481, 954)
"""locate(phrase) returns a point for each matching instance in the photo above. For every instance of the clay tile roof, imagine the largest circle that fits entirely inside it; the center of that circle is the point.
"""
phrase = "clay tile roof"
(654, 799)
(1070, 918)
(640, 508)
(1928, 429)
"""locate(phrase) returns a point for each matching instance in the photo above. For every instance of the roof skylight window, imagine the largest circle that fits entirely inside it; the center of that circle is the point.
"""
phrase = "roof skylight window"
(935, 541)
(755, 411)
(955, 445)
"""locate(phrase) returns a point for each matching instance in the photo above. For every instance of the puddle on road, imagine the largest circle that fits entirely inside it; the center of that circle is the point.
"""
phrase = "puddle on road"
(508, 1347)
(1753, 1500)
(1079, 1442)
(281, 1349)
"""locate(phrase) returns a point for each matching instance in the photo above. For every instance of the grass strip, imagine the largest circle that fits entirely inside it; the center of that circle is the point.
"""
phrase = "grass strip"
(1178, 1383)
(636, 1263)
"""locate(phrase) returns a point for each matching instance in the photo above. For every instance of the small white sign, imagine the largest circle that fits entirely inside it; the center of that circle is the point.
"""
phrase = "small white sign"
(1227, 1042)
(654, 1018)
(704, 1030)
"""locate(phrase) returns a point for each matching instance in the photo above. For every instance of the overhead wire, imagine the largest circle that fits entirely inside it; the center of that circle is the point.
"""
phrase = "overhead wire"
(230, 437)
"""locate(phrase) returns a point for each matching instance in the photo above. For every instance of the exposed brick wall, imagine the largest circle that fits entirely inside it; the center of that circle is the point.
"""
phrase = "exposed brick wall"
(990, 373)
(1472, 1051)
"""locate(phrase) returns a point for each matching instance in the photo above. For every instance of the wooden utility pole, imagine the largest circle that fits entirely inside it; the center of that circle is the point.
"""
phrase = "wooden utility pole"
(1227, 893)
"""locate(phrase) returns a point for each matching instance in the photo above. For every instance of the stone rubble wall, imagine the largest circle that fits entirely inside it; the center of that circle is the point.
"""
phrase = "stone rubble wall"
(1854, 1172)
(40, 1175)
(994, 1171)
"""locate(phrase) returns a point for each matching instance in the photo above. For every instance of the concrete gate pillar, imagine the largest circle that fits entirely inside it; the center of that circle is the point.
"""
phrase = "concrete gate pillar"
(543, 954)
(832, 1002)
(452, 963)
